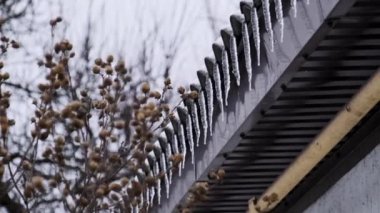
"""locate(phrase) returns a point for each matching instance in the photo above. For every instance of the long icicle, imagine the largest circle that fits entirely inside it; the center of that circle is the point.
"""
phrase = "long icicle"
(147, 197)
(158, 186)
(189, 134)
(268, 21)
(166, 178)
(210, 102)
(234, 59)
(177, 151)
(218, 88)
(280, 17)
(256, 33)
(247, 54)
(169, 162)
(293, 5)
(195, 121)
(182, 140)
(226, 75)
(203, 114)
(152, 195)
(141, 205)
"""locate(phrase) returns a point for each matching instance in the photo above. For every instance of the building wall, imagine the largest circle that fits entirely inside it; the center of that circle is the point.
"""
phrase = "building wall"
(356, 192)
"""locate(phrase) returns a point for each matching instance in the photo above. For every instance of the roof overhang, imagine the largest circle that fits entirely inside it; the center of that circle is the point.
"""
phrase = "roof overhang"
(329, 51)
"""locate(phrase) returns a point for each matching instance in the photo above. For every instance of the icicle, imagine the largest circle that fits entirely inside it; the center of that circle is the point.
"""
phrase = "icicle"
(181, 135)
(280, 18)
(141, 198)
(256, 32)
(195, 121)
(293, 5)
(170, 176)
(234, 59)
(159, 191)
(176, 151)
(158, 185)
(166, 178)
(210, 102)
(247, 54)
(147, 196)
(268, 21)
(152, 194)
(218, 89)
(170, 163)
(203, 114)
(176, 148)
(226, 75)
(189, 132)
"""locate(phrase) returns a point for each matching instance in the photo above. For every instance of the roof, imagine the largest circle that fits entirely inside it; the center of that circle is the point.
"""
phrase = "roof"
(328, 52)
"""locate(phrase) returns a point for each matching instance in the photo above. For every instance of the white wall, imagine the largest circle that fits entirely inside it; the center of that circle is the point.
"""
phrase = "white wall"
(356, 192)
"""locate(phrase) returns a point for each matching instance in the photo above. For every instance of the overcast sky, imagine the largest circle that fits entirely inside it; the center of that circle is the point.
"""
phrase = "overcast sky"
(121, 26)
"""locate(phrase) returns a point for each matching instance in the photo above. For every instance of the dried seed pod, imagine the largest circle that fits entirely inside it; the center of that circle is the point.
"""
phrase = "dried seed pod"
(93, 166)
(167, 82)
(181, 90)
(83, 201)
(38, 183)
(150, 181)
(26, 165)
(53, 183)
(110, 59)
(115, 187)
(124, 181)
(28, 190)
(98, 61)
(100, 192)
(176, 159)
(145, 88)
(119, 124)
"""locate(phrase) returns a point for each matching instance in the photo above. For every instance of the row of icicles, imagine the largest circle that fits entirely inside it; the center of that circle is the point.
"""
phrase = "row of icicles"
(193, 120)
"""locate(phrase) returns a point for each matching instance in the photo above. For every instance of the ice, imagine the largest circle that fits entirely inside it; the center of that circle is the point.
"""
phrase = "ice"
(293, 5)
(256, 33)
(158, 184)
(280, 17)
(189, 133)
(142, 200)
(210, 103)
(268, 21)
(226, 75)
(147, 193)
(166, 178)
(176, 151)
(170, 163)
(247, 54)
(195, 121)
(218, 88)
(152, 195)
(203, 114)
(234, 59)
(181, 135)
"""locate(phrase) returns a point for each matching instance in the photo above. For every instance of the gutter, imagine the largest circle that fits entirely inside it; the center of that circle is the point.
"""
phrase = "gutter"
(331, 135)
